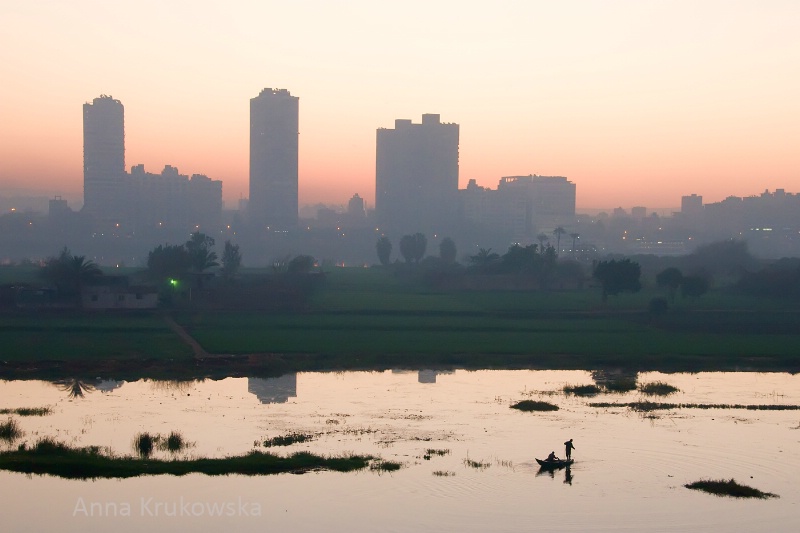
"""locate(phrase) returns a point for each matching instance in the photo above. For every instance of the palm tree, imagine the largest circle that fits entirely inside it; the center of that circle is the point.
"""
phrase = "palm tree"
(558, 232)
(484, 259)
(574, 238)
(69, 273)
(542, 238)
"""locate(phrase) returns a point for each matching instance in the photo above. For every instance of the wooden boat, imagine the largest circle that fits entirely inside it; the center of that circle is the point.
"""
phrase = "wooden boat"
(560, 463)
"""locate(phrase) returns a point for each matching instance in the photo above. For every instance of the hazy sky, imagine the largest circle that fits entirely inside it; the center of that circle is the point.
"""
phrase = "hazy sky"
(638, 102)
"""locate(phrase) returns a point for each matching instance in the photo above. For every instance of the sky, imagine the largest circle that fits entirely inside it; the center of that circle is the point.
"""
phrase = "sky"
(637, 102)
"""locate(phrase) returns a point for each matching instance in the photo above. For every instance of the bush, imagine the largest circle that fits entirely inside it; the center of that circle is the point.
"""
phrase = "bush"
(657, 306)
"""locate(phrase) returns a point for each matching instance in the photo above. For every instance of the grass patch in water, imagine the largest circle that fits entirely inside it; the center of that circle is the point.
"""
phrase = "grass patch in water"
(27, 411)
(174, 442)
(476, 464)
(384, 466)
(432, 451)
(653, 406)
(10, 430)
(288, 440)
(721, 487)
(58, 459)
(657, 388)
(582, 390)
(534, 405)
(144, 444)
(443, 473)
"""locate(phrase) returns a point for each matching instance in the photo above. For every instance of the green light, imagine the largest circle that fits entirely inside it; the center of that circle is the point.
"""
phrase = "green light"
(173, 282)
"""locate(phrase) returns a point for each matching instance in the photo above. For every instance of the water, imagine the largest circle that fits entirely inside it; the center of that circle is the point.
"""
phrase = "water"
(628, 476)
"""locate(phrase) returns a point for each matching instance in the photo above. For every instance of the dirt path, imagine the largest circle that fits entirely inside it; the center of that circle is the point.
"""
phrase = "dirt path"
(199, 351)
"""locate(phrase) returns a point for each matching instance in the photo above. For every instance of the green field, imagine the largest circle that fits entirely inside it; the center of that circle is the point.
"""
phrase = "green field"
(88, 337)
(368, 318)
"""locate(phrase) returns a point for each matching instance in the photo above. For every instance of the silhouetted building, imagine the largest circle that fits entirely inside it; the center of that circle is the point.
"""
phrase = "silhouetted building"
(58, 209)
(692, 208)
(139, 200)
(274, 131)
(172, 200)
(355, 207)
(550, 199)
(521, 206)
(416, 176)
(103, 157)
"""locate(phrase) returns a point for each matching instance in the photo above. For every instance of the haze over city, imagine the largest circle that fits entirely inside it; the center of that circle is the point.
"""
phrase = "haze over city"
(637, 103)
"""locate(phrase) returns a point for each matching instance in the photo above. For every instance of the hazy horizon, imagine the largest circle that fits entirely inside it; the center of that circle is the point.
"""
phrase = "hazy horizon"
(638, 103)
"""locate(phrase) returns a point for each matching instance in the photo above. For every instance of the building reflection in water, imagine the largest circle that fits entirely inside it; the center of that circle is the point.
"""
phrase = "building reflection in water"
(273, 390)
(429, 376)
(424, 375)
(108, 385)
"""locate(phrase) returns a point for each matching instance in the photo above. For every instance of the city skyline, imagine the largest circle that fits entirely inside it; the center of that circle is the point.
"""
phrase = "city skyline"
(636, 103)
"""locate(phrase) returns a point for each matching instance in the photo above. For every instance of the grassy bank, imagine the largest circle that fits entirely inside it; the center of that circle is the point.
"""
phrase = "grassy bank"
(58, 459)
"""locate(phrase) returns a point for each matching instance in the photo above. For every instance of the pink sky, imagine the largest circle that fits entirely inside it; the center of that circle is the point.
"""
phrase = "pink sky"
(636, 102)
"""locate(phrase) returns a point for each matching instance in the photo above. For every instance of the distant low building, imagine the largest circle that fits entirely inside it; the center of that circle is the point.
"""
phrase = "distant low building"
(114, 292)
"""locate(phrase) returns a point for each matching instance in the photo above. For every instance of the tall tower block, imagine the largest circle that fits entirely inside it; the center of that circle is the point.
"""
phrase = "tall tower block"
(274, 132)
(103, 157)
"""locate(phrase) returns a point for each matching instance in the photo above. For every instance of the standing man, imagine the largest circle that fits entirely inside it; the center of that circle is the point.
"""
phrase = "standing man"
(569, 448)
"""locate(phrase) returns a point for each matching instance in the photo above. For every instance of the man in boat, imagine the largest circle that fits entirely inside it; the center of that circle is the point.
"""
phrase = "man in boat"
(568, 445)
(552, 457)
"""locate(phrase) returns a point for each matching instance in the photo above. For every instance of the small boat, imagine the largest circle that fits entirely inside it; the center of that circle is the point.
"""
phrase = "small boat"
(559, 463)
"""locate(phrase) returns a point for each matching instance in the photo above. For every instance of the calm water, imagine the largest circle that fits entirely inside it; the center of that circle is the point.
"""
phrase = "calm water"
(629, 472)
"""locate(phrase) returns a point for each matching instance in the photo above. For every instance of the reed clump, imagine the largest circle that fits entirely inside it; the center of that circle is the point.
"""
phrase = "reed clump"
(10, 430)
(582, 390)
(384, 466)
(432, 451)
(730, 487)
(27, 411)
(144, 444)
(288, 440)
(444, 473)
(657, 388)
(174, 442)
(480, 465)
(534, 405)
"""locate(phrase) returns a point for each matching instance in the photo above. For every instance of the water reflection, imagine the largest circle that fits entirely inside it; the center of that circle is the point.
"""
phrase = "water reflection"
(108, 385)
(176, 385)
(615, 379)
(75, 387)
(273, 390)
(551, 471)
(429, 376)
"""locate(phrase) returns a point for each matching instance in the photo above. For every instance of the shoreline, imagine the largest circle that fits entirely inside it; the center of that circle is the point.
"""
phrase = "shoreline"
(218, 366)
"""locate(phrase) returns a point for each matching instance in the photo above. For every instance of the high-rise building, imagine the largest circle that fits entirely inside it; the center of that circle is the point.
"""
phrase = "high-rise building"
(274, 131)
(416, 176)
(103, 157)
